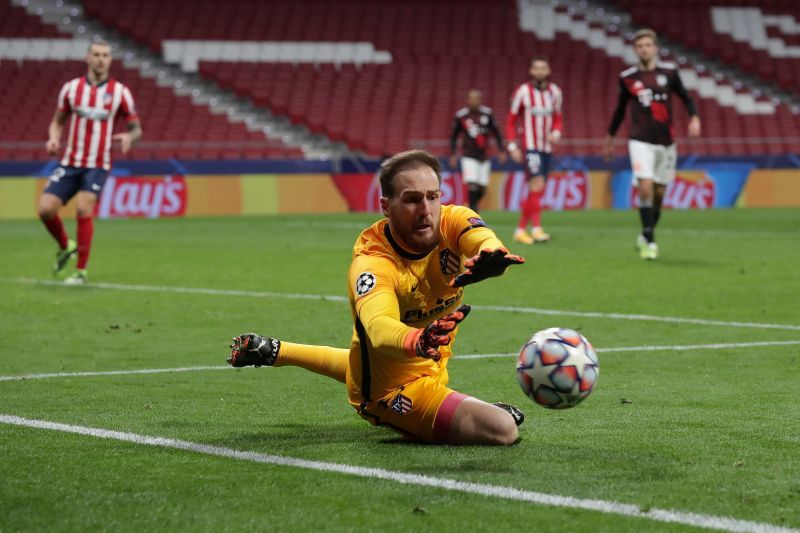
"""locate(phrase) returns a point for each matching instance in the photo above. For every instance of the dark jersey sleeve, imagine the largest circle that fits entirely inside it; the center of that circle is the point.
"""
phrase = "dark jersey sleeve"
(679, 89)
(619, 111)
(498, 137)
(457, 129)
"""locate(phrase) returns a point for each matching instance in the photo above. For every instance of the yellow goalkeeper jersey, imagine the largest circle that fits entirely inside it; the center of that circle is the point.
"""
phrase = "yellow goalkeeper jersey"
(393, 293)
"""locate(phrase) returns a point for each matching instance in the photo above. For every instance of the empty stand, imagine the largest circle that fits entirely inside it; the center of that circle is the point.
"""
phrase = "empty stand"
(439, 51)
(173, 125)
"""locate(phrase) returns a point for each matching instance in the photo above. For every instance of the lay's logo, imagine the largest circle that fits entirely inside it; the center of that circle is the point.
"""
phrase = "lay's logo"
(563, 190)
(691, 190)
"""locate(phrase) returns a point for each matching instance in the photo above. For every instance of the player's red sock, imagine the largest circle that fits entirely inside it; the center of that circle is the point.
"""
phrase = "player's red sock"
(535, 208)
(85, 234)
(56, 228)
(524, 215)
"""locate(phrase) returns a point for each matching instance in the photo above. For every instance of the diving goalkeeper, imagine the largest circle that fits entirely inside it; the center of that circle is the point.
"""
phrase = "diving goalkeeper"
(406, 284)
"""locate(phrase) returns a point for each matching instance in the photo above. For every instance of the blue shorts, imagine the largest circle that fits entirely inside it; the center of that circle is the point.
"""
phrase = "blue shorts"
(537, 164)
(65, 182)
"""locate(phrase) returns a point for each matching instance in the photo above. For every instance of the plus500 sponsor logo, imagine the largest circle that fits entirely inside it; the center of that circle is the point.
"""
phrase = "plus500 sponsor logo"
(685, 193)
(563, 190)
(143, 197)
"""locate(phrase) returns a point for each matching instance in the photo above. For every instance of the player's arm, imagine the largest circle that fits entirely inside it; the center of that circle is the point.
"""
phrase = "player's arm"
(558, 119)
(616, 119)
(487, 255)
(457, 129)
(56, 127)
(680, 89)
(54, 132)
(511, 127)
(501, 147)
(129, 138)
(380, 317)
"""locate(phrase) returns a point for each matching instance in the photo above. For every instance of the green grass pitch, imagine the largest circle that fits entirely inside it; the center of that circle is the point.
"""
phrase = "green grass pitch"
(708, 431)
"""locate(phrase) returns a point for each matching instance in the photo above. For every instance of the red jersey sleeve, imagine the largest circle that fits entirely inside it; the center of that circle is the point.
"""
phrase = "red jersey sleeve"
(127, 106)
(513, 115)
(63, 100)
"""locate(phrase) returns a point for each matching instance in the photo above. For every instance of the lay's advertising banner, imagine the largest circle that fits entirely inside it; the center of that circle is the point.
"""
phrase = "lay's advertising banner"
(506, 190)
(691, 189)
(125, 196)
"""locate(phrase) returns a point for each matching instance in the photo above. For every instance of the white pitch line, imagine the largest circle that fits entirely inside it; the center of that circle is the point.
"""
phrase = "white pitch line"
(722, 523)
(339, 298)
(669, 348)
(666, 348)
(26, 377)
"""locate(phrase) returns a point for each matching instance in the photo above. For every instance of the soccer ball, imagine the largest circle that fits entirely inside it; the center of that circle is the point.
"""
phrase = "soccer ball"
(557, 368)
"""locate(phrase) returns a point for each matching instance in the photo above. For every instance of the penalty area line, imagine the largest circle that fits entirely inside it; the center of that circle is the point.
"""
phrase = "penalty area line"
(339, 298)
(620, 349)
(722, 523)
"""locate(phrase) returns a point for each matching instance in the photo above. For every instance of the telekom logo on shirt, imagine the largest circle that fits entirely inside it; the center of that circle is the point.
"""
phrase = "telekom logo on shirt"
(143, 197)
(564, 190)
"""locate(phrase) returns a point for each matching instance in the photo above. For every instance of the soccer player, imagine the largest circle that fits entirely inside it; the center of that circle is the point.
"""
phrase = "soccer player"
(535, 114)
(475, 122)
(94, 101)
(406, 284)
(647, 87)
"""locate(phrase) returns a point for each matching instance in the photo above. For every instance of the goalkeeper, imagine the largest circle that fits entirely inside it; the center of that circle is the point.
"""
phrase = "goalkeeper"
(406, 284)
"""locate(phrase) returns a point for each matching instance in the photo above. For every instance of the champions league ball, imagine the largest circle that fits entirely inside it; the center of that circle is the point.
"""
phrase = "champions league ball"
(557, 368)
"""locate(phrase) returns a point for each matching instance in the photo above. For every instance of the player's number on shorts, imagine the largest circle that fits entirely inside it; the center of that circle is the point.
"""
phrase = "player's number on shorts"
(57, 174)
(534, 163)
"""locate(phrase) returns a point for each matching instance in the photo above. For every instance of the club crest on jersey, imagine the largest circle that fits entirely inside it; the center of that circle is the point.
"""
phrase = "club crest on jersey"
(661, 80)
(401, 404)
(449, 262)
(484, 120)
(365, 283)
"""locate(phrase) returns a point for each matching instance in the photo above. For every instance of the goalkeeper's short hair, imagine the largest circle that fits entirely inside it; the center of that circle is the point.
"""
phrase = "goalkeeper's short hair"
(406, 161)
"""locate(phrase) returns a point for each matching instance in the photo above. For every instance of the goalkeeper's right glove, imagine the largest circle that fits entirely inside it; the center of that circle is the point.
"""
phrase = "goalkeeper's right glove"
(437, 332)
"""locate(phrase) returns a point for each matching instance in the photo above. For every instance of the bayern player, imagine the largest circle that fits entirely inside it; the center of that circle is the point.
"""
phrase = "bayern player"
(646, 88)
(407, 279)
(475, 123)
(94, 101)
(533, 126)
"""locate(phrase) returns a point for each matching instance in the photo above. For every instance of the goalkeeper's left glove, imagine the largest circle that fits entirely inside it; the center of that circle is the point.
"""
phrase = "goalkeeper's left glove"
(487, 264)
(437, 333)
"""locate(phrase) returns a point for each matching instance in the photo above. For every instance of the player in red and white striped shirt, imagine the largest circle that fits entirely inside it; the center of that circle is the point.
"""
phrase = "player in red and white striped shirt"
(533, 126)
(94, 101)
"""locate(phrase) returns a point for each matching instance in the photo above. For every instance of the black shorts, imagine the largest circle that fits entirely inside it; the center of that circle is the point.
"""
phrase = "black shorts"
(537, 164)
(65, 182)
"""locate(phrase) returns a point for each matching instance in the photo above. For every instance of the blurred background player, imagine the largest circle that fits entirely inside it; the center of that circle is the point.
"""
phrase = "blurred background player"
(475, 122)
(406, 289)
(94, 101)
(647, 87)
(533, 126)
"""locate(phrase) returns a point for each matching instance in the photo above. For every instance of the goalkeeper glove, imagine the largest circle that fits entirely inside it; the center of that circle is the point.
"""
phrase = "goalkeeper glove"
(253, 349)
(437, 332)
(487, 264)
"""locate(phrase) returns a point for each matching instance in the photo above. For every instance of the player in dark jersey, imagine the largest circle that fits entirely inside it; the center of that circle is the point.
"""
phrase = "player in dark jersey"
(647, 88)
(474, 123)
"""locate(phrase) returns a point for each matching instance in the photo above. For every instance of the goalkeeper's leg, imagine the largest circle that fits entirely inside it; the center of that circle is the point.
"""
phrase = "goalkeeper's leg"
(325, 360)
(251, 349)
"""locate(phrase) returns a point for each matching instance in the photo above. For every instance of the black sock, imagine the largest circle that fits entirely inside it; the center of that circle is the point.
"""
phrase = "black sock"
(656, 216)
(475, 195)
(647, 216)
